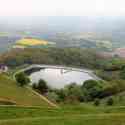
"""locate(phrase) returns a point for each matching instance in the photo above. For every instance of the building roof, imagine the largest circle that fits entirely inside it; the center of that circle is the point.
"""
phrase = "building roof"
(2, 66)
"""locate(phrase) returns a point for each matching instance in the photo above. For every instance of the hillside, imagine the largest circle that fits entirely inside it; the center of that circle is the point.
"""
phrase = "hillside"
(11, 92)
(68, 115)
(63, 56)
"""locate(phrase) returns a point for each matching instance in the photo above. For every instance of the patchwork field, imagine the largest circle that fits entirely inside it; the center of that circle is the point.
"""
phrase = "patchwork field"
(32, 43)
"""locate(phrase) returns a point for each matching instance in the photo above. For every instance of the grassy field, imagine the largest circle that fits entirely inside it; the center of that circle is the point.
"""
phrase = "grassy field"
(39, 112)
(76, 120)
(31, 42)
(10, 91)
(74, 115)
(32, 110)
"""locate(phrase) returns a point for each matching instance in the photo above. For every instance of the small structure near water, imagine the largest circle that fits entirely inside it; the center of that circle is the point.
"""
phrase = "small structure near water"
(3, 68)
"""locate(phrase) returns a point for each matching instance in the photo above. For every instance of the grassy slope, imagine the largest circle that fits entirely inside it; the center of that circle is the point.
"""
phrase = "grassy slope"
(22, 96)
(77, 120)
(74, 115)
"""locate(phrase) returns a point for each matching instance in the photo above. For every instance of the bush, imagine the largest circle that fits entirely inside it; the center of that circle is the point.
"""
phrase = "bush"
(74, 93)
(92, 89)
(22, 79)
(41, 86)
(96, 102)
(110, 101)
(122, 73)
(53, 97)
(71, 93)
(61, 94)
(34, 86)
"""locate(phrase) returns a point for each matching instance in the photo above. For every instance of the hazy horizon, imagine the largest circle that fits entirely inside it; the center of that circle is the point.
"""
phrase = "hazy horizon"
(63, 23)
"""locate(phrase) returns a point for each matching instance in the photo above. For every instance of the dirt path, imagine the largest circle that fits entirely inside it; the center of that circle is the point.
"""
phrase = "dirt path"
(42, 97)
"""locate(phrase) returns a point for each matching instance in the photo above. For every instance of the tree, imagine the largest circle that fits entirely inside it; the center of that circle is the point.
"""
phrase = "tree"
(74, 93)
(53, 96)
(122, 73)
(110, 101)
(92, 89)
(34, 86)
(22, 79)
(96, 102)
(42, 86)
(61, 94)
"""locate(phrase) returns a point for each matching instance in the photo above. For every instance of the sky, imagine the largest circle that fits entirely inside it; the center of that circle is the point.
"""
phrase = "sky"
(61, 7)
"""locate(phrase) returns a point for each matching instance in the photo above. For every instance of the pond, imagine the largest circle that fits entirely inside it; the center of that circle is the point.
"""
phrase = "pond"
(58, 77)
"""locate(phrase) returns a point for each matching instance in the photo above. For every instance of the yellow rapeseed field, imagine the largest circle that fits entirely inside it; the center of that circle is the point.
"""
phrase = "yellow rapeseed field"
(31, 42)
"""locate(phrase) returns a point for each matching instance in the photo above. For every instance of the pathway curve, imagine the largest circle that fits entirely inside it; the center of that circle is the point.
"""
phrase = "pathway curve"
(42, 97)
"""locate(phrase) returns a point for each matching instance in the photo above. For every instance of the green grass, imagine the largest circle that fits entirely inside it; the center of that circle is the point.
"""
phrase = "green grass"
(9, 90)
(75, 115)
(22, 112)
(77, 120)
(16, 112)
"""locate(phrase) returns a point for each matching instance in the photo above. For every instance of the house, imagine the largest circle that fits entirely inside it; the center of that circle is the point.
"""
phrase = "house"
(3, 68)
(120, 52)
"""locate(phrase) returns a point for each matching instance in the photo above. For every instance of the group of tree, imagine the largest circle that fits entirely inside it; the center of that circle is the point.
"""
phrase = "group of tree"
(109, 101)
(60, 56)
(90, 90)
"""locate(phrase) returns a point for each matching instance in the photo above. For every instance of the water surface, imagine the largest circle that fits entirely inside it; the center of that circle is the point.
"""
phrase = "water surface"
(58, 78)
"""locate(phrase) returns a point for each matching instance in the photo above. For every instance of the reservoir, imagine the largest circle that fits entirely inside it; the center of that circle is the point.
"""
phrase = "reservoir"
(59, 77)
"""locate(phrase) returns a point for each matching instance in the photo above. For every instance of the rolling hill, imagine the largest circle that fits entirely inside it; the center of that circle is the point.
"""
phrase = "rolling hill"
(10, 92)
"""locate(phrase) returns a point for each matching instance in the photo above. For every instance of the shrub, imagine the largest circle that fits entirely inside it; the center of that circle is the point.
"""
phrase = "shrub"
(22, 79)
(42, 86)
(53, 96)
(122, 73)
(96, 102)
(92, 89)
(61, 94)
(34, 86)
(74, 93)
(110, 101)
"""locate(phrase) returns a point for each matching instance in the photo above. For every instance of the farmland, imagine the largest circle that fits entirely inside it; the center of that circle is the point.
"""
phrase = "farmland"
(31, 42)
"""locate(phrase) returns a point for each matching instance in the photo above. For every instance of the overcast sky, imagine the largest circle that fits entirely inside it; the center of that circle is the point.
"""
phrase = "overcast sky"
(61, 7)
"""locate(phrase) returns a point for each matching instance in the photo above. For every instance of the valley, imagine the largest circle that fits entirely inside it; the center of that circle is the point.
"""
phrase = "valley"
(62, 71)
